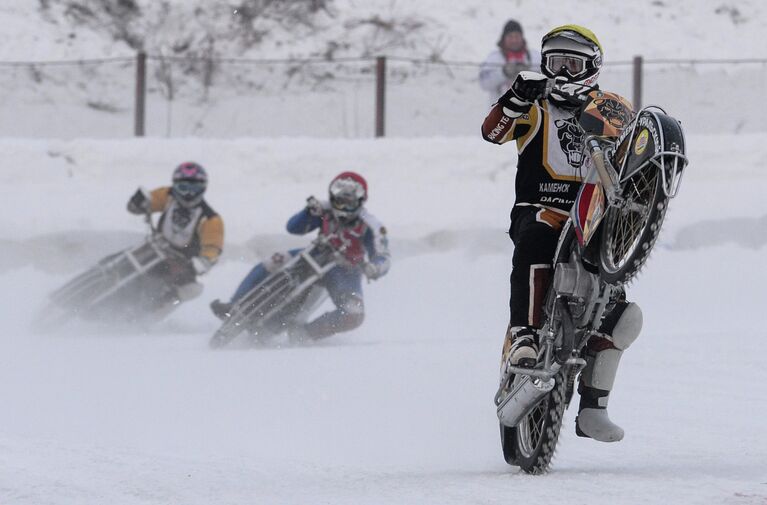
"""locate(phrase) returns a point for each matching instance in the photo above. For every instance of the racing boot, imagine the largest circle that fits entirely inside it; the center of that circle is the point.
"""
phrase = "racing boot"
(222, 310)
(520, 348)
(618, 331)
(593, 420)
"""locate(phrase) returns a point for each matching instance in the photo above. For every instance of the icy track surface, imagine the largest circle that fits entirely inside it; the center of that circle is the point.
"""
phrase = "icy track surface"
(400, 411)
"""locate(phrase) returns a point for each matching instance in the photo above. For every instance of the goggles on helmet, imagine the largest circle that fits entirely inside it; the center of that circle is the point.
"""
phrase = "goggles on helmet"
(347, 203)
(570, 65)
(188, 189)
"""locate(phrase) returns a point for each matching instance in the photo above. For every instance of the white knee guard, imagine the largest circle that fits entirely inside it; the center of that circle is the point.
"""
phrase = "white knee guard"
(352, 305)
(276, 261)
(189, 291)
(627, 327)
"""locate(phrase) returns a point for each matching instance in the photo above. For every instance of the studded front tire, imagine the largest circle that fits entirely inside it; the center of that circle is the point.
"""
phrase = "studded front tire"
(629, 233)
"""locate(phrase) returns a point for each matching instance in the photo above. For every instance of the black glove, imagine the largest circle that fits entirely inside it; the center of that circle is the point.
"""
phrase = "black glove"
(314, 206)
(526, 88)
(139, 203)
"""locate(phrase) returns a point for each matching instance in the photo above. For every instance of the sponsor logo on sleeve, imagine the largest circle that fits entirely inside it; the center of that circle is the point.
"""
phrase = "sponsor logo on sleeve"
(500, 128)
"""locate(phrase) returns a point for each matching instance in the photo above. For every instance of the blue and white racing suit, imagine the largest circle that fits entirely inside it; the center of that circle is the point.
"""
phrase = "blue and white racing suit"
(365, 238)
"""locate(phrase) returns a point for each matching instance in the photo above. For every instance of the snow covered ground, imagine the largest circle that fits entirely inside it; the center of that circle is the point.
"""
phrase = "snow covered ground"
(401, 410)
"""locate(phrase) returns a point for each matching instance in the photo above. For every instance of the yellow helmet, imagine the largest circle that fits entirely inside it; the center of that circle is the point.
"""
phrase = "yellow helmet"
(574, 52)
(580, 30)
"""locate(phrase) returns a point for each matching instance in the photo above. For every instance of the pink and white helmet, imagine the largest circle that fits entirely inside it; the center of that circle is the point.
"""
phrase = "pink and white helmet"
(348, 192)
(189, 183)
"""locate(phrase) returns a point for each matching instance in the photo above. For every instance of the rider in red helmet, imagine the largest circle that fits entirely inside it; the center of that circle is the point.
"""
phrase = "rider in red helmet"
(354, 232)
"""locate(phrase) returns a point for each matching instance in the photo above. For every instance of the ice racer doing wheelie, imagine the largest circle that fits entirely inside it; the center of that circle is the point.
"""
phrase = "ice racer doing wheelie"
(550, 145)
(361, 247)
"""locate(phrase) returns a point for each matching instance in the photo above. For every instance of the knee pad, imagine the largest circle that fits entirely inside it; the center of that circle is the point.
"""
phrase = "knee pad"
(276, 261)
(352, 305)
(189, 291)
(628, 327)
(623, 325)
(352, 312)
(352, 321)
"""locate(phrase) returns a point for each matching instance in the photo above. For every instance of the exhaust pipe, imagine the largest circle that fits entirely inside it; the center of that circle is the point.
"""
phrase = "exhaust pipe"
(523, 398)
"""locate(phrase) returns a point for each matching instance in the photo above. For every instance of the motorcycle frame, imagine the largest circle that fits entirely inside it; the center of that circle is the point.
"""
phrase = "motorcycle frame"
(155, 243)
(246, 306)
(319, 273)
(139, 268)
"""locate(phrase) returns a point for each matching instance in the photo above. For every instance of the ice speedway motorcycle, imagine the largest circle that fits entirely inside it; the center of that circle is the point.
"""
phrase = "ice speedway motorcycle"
(133, 285)
(284, 300)
(637, 162)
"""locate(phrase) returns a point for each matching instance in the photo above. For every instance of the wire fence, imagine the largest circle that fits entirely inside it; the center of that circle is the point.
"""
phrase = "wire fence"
(174, 96)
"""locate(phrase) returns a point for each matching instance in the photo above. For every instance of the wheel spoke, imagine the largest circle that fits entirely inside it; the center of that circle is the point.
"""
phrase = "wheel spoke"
(536, 435)
(625, 224)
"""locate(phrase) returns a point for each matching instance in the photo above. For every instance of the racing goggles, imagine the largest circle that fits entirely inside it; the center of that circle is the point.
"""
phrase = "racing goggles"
(345, 202)
(574, 66)
(189, 189)
(346, 195)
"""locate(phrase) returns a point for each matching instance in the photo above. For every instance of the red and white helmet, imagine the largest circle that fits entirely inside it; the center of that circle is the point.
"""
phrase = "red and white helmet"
(348, 192)
(189, 183)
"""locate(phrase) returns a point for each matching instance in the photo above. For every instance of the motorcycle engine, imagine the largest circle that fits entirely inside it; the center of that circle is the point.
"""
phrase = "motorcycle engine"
(581, 286)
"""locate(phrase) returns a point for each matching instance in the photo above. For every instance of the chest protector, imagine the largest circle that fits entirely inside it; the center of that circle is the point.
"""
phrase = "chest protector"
(179, 224)
(564, 146)
(551, 158)
(348, 240)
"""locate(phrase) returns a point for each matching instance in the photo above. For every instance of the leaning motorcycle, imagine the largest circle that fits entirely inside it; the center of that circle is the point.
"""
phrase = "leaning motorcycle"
(133, 285)
(636, 166)
(284, 300)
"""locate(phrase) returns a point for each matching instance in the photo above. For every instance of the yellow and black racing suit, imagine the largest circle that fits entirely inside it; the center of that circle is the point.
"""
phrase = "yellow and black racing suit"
(549, 173)
(193, 231)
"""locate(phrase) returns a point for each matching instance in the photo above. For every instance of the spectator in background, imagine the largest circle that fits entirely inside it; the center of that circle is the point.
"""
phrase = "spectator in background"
(502, 65)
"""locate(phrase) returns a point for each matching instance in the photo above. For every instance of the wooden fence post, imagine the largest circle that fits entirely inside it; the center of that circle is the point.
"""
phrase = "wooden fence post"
(380, 96)
(140, 112)
(637, 98)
